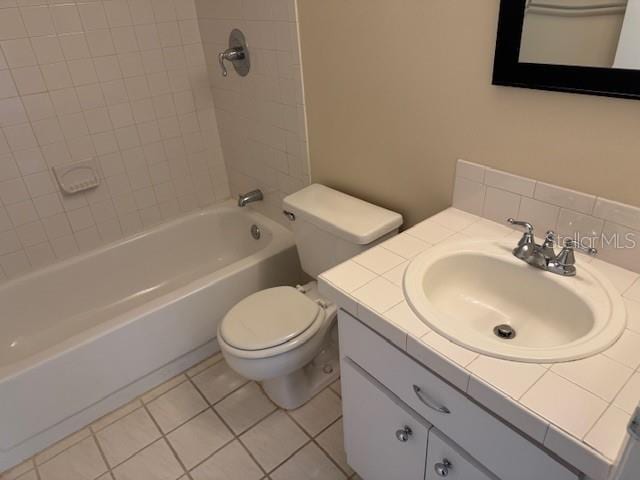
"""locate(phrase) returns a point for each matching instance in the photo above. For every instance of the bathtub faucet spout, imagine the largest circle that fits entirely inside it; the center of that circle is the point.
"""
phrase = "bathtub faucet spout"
(249, 197)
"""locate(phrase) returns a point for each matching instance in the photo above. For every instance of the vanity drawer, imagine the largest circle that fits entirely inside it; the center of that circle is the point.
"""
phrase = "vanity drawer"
(501, 449)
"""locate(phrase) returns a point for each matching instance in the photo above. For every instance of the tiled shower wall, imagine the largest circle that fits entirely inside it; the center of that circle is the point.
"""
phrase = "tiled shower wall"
(121, 81)
(261, 117)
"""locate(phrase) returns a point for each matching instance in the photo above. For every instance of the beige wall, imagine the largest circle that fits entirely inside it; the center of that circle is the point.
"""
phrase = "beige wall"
(397, 91)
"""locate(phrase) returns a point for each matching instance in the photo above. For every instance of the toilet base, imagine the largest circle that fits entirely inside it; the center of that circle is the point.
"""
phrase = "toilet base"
(294, 390)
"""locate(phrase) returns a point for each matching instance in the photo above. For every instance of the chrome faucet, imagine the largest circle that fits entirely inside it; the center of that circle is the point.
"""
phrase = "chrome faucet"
(544, 256)
(250, 197)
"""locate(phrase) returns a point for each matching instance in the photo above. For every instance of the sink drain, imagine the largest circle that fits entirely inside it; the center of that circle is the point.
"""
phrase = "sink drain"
(505, 332)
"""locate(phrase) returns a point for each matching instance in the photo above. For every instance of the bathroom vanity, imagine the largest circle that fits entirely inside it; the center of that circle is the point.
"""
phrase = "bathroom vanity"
(437, 427)
(419, 406)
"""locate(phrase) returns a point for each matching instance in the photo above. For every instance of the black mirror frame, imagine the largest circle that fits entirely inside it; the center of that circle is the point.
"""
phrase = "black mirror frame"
(508, 71)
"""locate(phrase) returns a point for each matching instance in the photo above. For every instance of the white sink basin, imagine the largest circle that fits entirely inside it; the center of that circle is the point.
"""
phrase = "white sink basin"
(464, 290)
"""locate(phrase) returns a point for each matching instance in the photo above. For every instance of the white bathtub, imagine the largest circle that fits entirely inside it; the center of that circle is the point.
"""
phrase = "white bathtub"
(81, 337)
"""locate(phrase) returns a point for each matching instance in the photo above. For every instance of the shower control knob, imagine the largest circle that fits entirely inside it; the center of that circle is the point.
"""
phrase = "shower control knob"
(442, 469)
(404, 434)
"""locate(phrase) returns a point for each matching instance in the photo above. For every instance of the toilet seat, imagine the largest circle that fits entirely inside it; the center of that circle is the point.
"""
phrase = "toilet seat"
(271, 322)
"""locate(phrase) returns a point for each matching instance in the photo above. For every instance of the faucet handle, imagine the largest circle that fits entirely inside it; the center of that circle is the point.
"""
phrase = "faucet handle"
(572, 244)
(520, 223)
(566, 257)
(527, 245)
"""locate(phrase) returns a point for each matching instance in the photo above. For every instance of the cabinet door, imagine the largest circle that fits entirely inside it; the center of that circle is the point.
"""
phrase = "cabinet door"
(446, 460)
(383, 440)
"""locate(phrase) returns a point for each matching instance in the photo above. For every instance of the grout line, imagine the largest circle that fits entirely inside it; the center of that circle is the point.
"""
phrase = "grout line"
(608, 402)
(166, 440)
(104, 457)
(308, 442)
(91, 425)
(62, 451)
(315, 440)
(235, 437)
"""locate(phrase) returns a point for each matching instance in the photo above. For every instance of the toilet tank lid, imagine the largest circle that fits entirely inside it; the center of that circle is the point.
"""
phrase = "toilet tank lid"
(347, 217)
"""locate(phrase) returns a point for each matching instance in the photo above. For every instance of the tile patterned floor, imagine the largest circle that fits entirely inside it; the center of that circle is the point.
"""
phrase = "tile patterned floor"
(205, 424)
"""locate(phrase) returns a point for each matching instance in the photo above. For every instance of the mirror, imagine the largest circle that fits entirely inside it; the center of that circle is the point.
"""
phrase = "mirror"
(581, 46)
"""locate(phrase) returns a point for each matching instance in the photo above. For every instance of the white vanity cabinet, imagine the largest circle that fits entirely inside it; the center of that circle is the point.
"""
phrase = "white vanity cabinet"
(384, 389)
(384, 439)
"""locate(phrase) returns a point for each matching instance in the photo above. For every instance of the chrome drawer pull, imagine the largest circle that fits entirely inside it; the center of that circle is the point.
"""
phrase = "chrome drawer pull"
(404, 434)
(442, 469)
(428, 402)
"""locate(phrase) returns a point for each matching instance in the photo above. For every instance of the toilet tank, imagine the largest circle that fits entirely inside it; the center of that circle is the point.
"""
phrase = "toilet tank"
(330, 226)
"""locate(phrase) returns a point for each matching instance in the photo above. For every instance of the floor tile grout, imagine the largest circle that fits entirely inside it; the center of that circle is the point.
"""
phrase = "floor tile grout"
(164, 437)
(104, 457)
(235, 436)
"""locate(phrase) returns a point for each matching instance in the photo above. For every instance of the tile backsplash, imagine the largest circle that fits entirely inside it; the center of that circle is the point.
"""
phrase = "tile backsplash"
(122, 81)
(261, 117)
(612, 227)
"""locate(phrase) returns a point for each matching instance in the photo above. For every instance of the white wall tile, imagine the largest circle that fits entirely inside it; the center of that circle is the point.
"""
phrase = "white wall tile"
(66, 18)
(500, 205)
(563, 197)
(612, 227)
(470, 171)
(585, 228)
(7, 86)
(18, 53)
(272, 155)
(509, 182)
(619, 213)
(621, 246)
(38, 20)
(469, 195)
(543, 216)
(11, 24)
(91, 80)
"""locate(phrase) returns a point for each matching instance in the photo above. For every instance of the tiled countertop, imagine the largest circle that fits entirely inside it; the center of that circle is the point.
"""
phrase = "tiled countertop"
(578, 410)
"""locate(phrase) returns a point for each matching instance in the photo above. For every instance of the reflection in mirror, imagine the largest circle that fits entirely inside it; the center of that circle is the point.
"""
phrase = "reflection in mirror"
(590, 33)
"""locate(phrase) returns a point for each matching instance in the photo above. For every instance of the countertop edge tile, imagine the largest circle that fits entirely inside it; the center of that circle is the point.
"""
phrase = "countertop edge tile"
(576, 452)
(438, 363)
(508, 409)
(382, 326)
(337, 296)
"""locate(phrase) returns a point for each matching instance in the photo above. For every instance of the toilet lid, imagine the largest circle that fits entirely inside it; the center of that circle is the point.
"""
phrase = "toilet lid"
(269, 318)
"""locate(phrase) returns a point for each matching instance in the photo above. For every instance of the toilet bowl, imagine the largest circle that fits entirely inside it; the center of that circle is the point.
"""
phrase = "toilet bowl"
(285, 337)
(281, 337)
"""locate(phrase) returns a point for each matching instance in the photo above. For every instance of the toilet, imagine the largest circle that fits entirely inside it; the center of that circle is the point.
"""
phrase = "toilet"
(285, 337)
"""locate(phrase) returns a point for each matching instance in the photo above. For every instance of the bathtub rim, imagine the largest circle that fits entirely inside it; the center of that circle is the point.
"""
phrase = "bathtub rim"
(281, 240)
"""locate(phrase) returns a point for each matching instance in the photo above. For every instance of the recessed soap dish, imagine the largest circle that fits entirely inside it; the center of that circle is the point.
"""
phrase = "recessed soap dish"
(77, 177)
